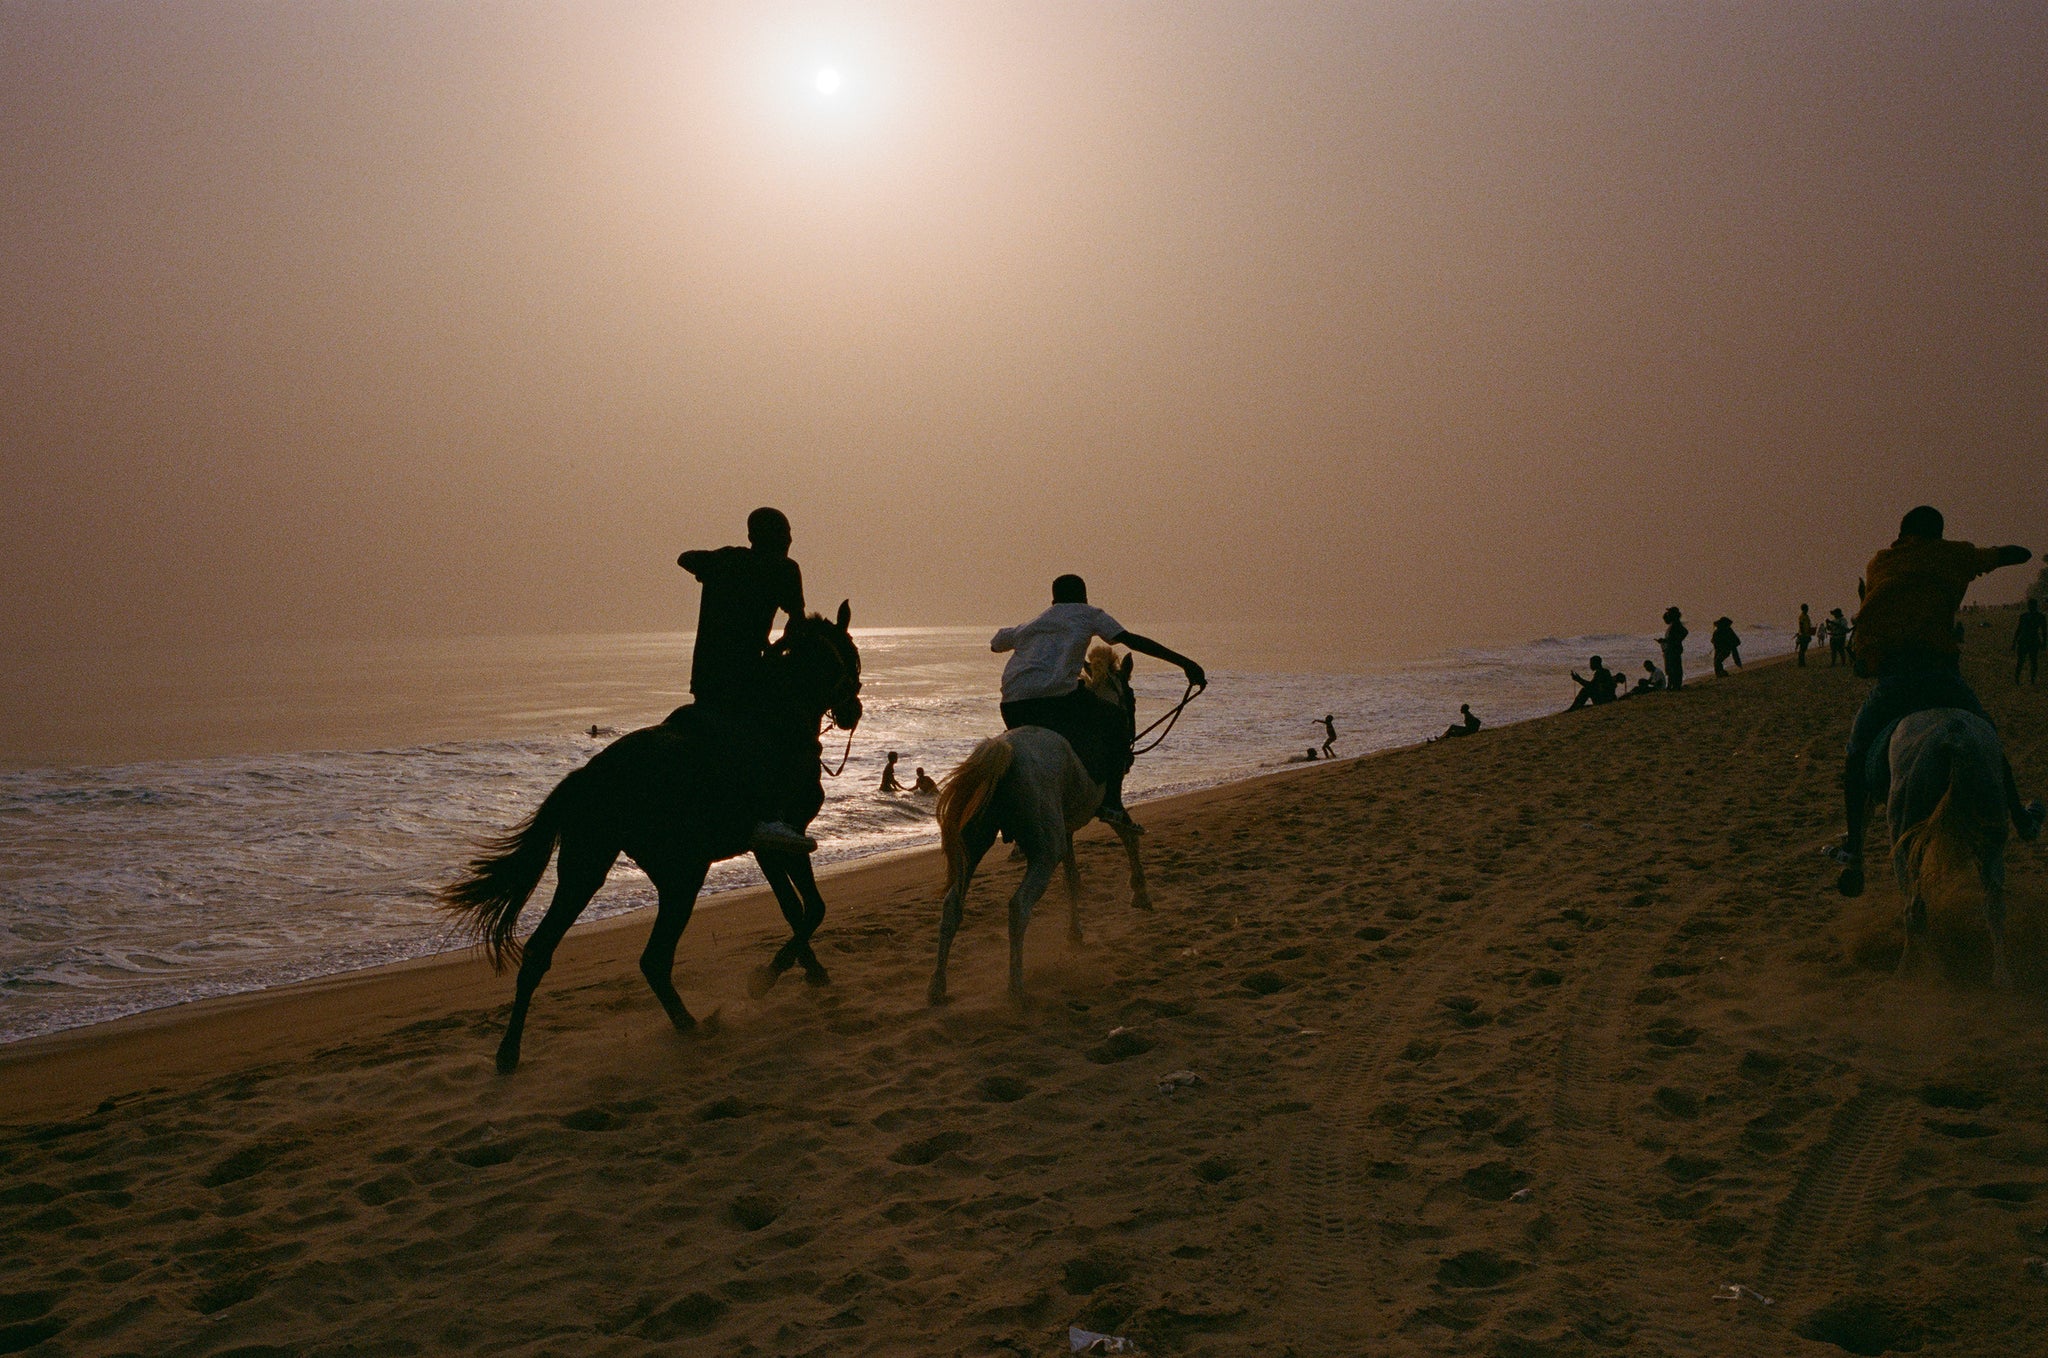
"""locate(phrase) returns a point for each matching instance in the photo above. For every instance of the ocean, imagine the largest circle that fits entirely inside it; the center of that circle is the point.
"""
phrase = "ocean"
(186, 839)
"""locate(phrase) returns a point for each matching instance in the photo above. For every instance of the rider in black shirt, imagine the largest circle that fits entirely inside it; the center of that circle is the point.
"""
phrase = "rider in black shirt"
(744, 587)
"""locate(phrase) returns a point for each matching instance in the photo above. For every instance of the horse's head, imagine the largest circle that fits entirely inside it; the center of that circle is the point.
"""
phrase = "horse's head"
(825, 664)
(1110, 681)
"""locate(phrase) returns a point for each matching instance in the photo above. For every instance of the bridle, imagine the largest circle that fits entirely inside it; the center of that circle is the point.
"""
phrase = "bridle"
(1172, 716)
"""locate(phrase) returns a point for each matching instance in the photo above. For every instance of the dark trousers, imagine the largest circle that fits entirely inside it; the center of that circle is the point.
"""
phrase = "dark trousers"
(2030, 661)
(1099, 731)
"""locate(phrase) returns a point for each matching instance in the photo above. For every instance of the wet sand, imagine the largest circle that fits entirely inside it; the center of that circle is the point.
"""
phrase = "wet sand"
(1523, 1044)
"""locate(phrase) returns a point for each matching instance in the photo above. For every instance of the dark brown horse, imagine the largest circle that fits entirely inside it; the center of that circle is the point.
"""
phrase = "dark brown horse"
(663, 796)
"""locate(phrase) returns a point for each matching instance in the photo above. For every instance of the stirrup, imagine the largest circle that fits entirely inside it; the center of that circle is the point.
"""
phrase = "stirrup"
(772, 836)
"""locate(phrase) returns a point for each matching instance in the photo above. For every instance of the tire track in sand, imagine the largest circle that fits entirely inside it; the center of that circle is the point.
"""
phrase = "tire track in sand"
(1827, 1214)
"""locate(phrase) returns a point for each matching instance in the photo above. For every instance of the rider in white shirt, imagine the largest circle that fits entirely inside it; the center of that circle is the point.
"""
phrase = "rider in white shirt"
(1042, 684)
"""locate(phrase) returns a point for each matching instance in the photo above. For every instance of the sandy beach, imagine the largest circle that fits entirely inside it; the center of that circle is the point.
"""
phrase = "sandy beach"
(1535, 1043)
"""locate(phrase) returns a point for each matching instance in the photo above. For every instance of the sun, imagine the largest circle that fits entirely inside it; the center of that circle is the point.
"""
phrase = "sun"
(828, 81)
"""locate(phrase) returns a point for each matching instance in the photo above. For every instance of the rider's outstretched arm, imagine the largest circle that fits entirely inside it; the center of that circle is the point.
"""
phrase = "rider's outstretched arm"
(2013, 556)
(1147, 646)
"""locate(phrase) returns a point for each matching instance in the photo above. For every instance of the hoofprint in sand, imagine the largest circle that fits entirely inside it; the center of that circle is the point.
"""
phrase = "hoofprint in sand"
(1555, 1040)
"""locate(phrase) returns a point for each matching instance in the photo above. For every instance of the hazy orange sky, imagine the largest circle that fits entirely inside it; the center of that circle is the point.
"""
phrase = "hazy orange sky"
(1420, 325)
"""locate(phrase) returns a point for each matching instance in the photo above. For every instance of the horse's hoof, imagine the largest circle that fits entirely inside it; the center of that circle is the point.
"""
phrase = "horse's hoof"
(1850, 883)
(686, 1023)
(817, 977)
(761, 981)
(1141, 901)
(507, 1062)
(937, 995)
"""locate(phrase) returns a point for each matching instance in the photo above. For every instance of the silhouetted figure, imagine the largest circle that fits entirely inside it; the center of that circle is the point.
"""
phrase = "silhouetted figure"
(1307, 756)
(1466, 724)
(1597, 688)
(1727, 646)
(889, 783)
(1329, 724)
(1838, 638)
(1042, 685)
(1653, 680)
(744, 587)
(1905, 636)
(596, 731)
(1673, 646)
(1802, 637)
(2028, 642)
(924, 786)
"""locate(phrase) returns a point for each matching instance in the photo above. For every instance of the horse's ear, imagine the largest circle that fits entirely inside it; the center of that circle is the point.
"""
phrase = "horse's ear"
(845, 612)
(1130, 663)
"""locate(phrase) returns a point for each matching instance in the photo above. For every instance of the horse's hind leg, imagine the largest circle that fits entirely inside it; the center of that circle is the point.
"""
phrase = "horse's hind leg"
(1141, 899)
(677, 885)
(1037, 877)
(978, 836)
(1994, 917)
(579, 872)
(1913, 922)
(1073, 871)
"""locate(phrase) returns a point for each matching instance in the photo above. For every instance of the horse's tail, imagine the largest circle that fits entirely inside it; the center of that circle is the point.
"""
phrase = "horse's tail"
(1941, 857)
(488, 897)
(964, 795)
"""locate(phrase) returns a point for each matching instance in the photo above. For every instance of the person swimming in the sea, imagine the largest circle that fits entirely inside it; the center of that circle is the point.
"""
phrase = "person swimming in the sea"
(924, 786)
(889, 783)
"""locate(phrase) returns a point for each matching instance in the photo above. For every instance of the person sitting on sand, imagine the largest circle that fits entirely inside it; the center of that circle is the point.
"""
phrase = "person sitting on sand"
(1905, 637)
(1596, 688)
(924, 786)
(1727, 646)
(744, 587)
(2028, 640)
(1329, 725)
(1307, 756)
(1673, 645)
(889, 783)
(1466, 724)
(1802, 635)
(1653, 680)
(1042, 685)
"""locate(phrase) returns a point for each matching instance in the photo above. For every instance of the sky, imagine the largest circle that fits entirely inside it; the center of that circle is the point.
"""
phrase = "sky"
(1398, 326)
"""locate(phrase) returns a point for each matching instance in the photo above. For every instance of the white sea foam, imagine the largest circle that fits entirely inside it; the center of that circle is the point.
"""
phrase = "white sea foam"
(133, 886)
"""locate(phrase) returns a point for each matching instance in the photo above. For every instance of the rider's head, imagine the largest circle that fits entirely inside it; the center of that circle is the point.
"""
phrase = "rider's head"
(1922, 522)
(768, 529)
(1596, 663)
(1070, 589)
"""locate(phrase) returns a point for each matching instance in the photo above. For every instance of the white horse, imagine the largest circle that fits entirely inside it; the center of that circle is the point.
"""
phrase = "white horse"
(1948, 818)
(1030, 783)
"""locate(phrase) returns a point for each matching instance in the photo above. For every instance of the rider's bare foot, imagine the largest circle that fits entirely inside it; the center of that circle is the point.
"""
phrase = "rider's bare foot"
(775, 837)
(2029, 826)
(1118, 818)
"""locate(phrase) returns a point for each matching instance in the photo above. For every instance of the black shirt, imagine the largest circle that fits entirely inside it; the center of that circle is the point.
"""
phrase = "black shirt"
(742, 589)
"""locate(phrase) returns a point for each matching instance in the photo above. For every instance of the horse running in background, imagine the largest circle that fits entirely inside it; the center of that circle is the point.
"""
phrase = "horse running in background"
(1948, 819)
(1030, 783)
(663, 796)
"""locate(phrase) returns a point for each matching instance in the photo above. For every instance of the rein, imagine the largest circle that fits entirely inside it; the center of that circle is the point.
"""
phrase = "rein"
(1172, 716)
(844, 754)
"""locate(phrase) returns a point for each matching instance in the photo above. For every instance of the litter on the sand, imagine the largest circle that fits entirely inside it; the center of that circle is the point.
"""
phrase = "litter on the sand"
(1737, 1291)
(1088, 1341)
(1118, 1032)
(1520, 1195)
(1177, 1079)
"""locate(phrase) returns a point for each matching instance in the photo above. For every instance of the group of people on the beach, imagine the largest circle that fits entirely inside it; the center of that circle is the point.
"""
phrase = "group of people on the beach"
(745, 587)
(1835, 627)
(1602, 685)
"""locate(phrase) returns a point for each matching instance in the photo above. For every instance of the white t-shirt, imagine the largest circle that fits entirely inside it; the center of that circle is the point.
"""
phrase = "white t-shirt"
(1050, 649)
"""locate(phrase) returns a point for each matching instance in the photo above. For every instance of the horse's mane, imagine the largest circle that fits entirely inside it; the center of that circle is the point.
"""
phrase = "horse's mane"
(1099, 672)
(824, 626)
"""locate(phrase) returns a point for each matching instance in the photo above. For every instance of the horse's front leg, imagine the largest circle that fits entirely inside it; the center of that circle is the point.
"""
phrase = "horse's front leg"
(776, 868)
(1141, 899)
(1994, 917)
(676, 885)
(1073, 873)
(806, 883)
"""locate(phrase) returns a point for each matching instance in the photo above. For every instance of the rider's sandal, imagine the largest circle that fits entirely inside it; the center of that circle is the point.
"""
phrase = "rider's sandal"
(775, 837)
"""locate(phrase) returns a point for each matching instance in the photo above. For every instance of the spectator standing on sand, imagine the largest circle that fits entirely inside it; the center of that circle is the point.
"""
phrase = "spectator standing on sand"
(2028, 642)
(1596, 688)
(1727, 646)
(1673, 646)
(1803, 637)
(1838, 638)
(1905, 637)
